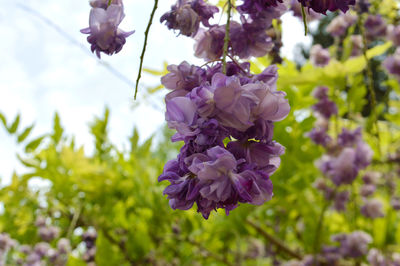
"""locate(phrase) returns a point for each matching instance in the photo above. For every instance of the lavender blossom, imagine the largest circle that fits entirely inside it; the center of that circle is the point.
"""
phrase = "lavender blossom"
(319, 136)
(393, 34)
(209, 43)
(372, 209)
(331, 5)
(339, 25)
(354, 244)
(48, 233)
(367, 190)
(186, 16)
(375, 26)
(395, 202)
(376, 258)
(392, 64)
(319, 56)
(311, 15)
(104, 34)
(357, 45)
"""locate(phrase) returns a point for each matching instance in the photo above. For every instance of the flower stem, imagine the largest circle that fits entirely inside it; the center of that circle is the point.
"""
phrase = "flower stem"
(146, 35)
(370, 83)
(109, 3)
(273, 240)
(303, 14)
(226, 39)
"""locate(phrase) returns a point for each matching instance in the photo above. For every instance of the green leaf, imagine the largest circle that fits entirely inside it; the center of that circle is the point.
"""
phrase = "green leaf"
(3, 120)
(13, 128)
(25, 133)
(32, 146)
(57, 129)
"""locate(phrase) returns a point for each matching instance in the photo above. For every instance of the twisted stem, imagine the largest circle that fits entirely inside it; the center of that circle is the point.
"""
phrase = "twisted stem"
(226, 39)
(146, 35)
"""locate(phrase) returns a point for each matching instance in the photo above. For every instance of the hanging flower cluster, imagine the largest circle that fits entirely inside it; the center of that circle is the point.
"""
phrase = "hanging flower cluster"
(104, 34)
(345, 157)
(226, 123)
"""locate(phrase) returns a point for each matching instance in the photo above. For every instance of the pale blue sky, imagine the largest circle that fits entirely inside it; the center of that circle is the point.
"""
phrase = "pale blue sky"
(41, 71)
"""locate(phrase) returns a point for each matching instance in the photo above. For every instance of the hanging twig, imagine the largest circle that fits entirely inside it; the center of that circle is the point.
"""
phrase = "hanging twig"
(226, 39)
(146, 35)
(303, 14)
(275, 241)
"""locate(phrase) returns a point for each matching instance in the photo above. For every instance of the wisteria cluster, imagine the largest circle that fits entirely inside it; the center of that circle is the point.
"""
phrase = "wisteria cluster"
(354, 245)
(89, 238)
(344, 159)
(226, 123)
(104, 34)
(42, 253)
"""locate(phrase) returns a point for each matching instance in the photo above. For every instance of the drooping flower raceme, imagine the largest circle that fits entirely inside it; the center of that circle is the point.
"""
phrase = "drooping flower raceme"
(186, 16)
(104, 34)
(206, 108)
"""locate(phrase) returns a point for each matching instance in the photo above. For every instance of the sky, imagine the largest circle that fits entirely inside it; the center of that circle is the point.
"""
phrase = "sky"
(46, 66)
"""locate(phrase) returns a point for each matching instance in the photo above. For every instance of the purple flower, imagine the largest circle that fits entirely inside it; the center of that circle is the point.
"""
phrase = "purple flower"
(41, 248)
(321, 6)
(354, 244)
(233, 102)
(392, 64)
(183, 18)
(376, 258)
(209, 43)
(349, 138)
(262, 12)
(249, 39)
(272, 105)
(183, 77)
(262, 156)
(375, 26)
(204, 10)
(48, 233)
(319, 56)
(319, 136)
(371, 177)
(395, 202)
(105, 36)
(220, 180)
(339, 25)
(357, 45)
(325, 107)
(372, 209)
(186, 16)
(180, 115)
(311, 15)
(367, 190)
(394, 34)
(342, 170)
(104, 3)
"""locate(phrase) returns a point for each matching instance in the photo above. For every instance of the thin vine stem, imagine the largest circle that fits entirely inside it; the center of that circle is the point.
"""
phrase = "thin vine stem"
(370, 82)
(320, 225)
(109, 2)
(226, 39)
(146, 36)
(273, 240)
(303, 14)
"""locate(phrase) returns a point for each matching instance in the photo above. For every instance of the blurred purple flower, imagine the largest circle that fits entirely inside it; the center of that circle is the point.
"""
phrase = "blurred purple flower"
(375, 26)
(104, 34)
(322, 6)
(319, 56)
(372, 208)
